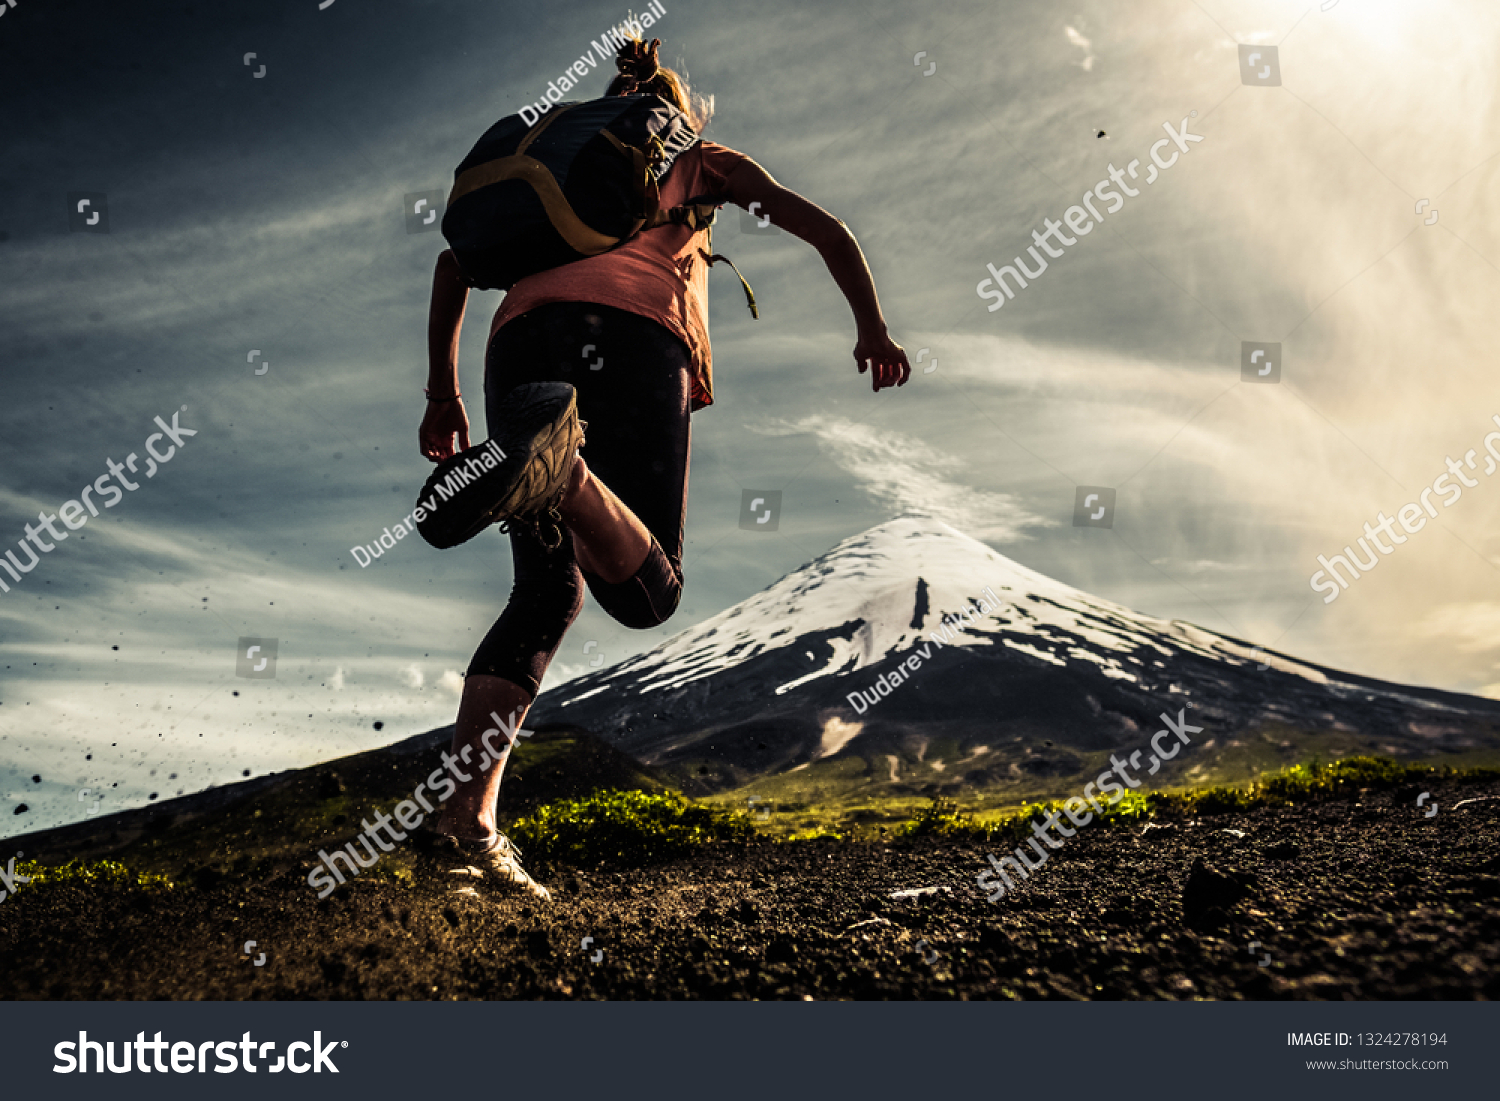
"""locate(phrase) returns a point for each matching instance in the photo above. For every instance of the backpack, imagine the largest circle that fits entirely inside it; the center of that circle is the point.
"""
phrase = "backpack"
(585, 178)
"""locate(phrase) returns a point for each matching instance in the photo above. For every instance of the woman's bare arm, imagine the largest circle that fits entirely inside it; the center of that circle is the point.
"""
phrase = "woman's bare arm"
(444, 419)
(750, 184)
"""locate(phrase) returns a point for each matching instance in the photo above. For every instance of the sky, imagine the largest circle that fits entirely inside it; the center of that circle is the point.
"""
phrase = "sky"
(258, 281)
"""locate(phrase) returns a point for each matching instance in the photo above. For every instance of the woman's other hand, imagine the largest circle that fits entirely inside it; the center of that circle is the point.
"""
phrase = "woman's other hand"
(443, 421)
(884, 359)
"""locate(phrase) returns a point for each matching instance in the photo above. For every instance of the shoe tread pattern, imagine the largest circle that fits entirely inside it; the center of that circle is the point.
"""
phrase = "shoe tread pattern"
(540, 423)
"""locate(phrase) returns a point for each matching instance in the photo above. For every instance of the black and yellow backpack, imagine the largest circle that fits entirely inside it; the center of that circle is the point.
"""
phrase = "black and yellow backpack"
(584, 178)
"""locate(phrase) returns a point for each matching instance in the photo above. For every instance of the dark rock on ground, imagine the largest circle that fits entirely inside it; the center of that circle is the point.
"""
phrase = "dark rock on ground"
(1208, 893)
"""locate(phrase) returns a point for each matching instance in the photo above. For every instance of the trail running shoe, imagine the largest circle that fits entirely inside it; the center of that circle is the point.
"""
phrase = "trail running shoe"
(517, 475)
(496, 861)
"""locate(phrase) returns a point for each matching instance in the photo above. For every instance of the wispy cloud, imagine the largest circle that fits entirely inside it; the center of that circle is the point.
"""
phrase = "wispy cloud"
(1473, 628)
(1083, 44)
(910, 476)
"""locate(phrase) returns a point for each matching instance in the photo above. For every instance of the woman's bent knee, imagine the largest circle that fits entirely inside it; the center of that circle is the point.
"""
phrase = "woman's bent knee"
(646, 599)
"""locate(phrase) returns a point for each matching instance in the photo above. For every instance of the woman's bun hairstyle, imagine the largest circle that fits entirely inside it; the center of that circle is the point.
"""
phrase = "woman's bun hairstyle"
(640, 72)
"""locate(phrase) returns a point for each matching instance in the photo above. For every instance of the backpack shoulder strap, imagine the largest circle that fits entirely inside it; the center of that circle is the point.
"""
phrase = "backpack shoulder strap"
(700, 212)
(714, 258)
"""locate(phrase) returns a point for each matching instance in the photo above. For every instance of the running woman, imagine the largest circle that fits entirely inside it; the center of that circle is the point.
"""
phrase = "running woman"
(608, 514)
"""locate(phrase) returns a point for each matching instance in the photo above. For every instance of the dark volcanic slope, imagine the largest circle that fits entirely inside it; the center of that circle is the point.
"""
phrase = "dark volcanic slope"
(274, 821)
(1367, 899)
(763, 687)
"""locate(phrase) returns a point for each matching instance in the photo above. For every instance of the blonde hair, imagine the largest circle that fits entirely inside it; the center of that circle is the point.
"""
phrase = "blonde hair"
(641, 73)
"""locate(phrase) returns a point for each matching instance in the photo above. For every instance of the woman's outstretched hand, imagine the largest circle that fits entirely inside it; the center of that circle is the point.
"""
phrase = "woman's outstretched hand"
(884, 359)
(443, 421)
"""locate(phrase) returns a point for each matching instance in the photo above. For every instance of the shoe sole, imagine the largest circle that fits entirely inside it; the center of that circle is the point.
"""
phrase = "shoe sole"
(536, 440)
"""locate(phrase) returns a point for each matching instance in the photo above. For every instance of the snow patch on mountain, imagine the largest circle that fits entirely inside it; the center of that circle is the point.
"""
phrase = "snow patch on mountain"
(883, 592)
(837, 733)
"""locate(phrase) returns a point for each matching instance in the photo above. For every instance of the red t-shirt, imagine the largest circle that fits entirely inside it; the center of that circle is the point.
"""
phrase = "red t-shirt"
(661, 273)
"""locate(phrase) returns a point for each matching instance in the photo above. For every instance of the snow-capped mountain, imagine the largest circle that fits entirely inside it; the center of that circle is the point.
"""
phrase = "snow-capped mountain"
(1005, 656)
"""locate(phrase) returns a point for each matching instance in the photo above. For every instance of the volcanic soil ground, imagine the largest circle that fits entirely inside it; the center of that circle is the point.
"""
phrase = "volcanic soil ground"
(1363, 898)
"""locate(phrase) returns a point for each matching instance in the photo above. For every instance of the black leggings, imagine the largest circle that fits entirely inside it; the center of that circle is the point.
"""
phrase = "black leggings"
(636, 403)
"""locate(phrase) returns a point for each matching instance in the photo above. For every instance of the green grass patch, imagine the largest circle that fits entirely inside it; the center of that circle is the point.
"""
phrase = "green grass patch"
(93, 873)
(627, 827)
(1297, 783)
(817, 833)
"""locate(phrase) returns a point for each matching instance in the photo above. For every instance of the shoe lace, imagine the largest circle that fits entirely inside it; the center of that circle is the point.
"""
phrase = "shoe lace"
(538, 524)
